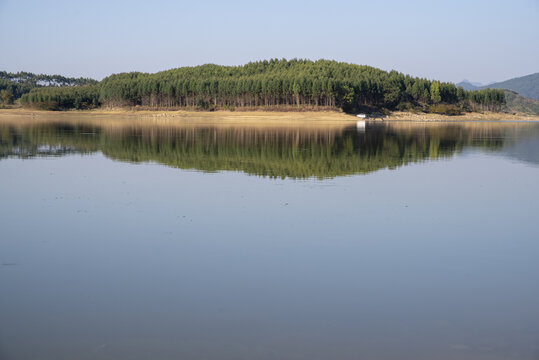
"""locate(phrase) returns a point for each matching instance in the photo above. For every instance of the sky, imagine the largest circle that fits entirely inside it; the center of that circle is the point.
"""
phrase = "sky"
(482, 41)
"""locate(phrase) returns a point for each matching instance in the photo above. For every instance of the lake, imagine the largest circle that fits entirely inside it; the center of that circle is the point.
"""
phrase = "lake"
(169, 240)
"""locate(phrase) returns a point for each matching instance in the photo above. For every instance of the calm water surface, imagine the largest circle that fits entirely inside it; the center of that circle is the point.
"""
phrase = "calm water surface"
(397, 241)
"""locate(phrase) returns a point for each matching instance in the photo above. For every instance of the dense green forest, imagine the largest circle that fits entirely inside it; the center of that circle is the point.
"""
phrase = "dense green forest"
(14, 85)
(270, 84)
(271, 152)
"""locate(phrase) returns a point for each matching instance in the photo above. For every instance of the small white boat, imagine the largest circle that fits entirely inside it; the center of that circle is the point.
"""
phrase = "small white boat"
(362, 116)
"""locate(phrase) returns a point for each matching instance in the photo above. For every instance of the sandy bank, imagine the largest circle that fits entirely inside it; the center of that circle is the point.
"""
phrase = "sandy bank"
(183, 118)
(254, 117)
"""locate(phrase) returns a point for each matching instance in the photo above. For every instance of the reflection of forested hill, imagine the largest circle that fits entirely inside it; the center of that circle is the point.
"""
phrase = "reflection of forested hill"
(47, 140)
(275, 152)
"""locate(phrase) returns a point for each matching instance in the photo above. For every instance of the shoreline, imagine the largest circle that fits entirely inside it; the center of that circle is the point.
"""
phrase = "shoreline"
(467, 117)
(267, 116)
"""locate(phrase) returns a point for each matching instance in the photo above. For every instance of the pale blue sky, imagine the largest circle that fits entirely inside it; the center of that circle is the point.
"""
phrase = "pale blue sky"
(448, 40)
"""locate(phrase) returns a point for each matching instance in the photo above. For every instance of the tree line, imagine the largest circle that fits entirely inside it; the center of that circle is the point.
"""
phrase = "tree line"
(14, 85)
(270, 83)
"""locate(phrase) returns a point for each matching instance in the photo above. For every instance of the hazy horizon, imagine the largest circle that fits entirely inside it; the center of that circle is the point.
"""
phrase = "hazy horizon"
(483, 41)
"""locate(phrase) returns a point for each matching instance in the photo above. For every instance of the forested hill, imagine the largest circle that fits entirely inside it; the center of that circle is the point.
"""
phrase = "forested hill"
(515, 103)
(527, 86)
(269, 84)
(14, 85)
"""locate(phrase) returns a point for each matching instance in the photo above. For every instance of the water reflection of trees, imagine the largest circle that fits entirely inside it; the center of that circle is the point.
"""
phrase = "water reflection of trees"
(275, 152)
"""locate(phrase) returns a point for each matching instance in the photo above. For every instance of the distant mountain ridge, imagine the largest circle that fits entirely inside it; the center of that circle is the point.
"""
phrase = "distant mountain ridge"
(467, 85)
(527, 86)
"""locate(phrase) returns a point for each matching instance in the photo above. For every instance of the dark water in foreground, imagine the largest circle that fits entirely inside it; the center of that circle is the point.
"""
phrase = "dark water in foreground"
(395, 241)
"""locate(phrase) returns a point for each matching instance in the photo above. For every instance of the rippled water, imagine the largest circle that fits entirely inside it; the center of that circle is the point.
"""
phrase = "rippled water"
(176, 241)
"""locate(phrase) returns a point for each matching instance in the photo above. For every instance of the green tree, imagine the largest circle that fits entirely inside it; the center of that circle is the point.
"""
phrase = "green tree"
(6, 96)
(435, 92)
(296, 89)
(347, 98)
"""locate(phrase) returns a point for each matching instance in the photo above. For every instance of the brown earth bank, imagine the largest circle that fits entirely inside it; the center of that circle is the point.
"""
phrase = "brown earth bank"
(182, 118)
(261, 117)
(471, 116)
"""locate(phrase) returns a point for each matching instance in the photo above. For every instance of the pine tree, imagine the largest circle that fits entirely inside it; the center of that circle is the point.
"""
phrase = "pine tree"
(435, 92)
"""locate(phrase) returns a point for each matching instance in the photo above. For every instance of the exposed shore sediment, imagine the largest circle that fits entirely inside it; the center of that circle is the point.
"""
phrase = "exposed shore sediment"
(263, 116)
